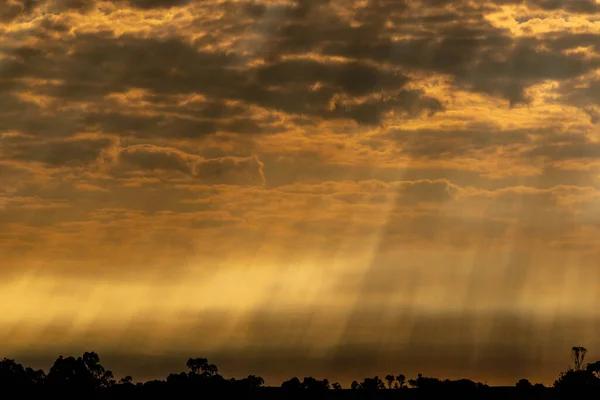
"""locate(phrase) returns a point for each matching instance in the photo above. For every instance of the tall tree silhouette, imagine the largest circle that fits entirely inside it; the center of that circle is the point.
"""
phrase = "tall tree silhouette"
(578, 376)
(401, 380)
(390, 380)
(100, 376)
(85, 371)
(70, 372)
(578, 356)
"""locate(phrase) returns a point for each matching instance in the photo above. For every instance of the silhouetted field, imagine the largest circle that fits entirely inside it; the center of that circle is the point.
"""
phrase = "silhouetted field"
(85, 378)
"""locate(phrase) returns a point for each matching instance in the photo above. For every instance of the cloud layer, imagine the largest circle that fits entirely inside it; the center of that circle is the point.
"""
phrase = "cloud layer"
(291, 162)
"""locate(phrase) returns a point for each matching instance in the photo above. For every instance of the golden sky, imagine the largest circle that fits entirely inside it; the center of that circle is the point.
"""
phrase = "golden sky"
(332, 188)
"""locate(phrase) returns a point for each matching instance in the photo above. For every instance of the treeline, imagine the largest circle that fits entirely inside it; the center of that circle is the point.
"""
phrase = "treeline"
(86, 374)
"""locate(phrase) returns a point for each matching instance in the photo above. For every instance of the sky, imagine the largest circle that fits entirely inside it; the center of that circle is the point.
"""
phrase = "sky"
(320, 188)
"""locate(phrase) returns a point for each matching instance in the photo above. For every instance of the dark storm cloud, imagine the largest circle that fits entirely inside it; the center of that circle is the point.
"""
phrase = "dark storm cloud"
(413, 193)
(151, 157)
(571, 150)
(12, 9)
(480, 56)
(225, 170)
(489, 64)
(585, 96)
(564, 41)
(66, 5)
(143, 126)
(92, 66)
(37, 217)
(553, 143)
(59, 153)
(431, 143)
(148, 4)
(579, 6)
(286, 84)
(106, 64)
(461, 43)
(353, 78)
(199, 109)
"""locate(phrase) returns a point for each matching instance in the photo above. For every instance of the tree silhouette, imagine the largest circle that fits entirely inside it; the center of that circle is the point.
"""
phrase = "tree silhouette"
(15, 374)
(578, 356)
(178, 379)
(524, 384)
(85, 371)
(127, 380)
(255, 381)
(197, 365)
(425, 383)
(390, 380)
(292, 384)
(573, 379)
(461, 385)
(594, 368)
(401, 379)
(100, 376)
(87, 375)
(70, 372)
(250, 383)
(201, 373)
(372, 384)
(415, 382)
(311, 383)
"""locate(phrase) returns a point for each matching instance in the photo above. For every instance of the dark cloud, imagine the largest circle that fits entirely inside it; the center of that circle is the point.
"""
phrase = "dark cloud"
(148, 4)
(352, 78)
(582, 6)
(561, 146)
(93, 66)
(38, 213)
(226, 170)
(561, 41)
(567, 151)
(11, 10)
(151, 157)
(587, 96)
(31, 120)
(465, 141)
(161, 126)
(66, 5)
(416, 192)
(59, 153)
(461, 43)
(480, 56)
(553, 143)
(17, 8)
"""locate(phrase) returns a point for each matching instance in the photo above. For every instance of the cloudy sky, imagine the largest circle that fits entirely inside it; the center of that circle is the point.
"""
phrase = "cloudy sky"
(306, 187)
